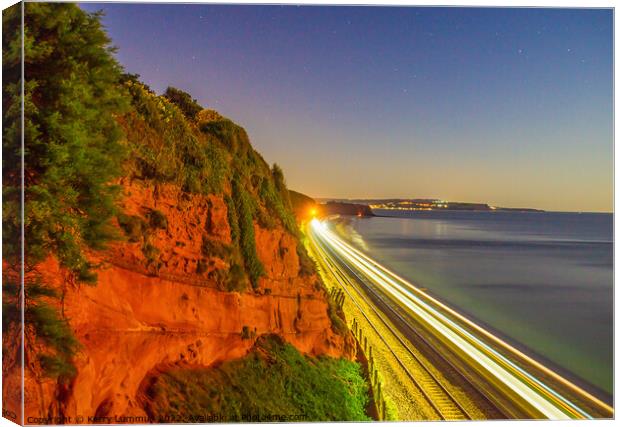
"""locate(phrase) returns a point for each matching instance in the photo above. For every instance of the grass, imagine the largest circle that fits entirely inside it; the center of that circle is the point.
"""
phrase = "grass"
(274, 379)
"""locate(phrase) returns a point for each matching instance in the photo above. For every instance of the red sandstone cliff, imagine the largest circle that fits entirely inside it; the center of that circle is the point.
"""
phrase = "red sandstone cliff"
(144, 315)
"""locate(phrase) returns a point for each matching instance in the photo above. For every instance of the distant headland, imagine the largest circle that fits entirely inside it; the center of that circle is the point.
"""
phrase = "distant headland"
(423, 205)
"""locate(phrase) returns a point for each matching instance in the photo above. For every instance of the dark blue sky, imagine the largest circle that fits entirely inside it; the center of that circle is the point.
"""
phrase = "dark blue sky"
(507, 106)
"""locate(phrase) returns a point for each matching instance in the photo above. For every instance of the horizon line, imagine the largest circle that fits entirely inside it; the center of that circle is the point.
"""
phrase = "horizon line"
(451, 201)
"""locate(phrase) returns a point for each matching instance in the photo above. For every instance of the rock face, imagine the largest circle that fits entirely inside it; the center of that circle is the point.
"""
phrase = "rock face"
(333, 208)
(303, 206)
(147, 313)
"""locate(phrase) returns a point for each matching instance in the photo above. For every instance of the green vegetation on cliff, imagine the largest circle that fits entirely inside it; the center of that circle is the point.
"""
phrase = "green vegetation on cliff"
(166, 147)
(76, 98)
(89, 124)
(72, 139)
(172, 139)
(245, 225)
(274, 379)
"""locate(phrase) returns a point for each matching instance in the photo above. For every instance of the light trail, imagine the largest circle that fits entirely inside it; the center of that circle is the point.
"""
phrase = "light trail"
(451, 412)
(538, 395)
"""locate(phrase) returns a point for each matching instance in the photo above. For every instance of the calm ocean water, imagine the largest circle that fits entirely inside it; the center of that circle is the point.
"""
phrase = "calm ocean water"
(543, 280)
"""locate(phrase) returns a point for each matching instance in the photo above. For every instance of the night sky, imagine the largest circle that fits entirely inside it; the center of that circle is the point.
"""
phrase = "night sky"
(512, 107)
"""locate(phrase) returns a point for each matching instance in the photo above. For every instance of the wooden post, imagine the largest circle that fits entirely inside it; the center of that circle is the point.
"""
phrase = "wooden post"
(379, 398)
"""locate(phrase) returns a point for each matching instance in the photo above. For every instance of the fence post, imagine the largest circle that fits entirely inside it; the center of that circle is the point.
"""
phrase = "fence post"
(384, 405)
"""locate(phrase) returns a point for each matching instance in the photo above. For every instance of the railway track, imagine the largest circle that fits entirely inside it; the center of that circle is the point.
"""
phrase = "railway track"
(440, 399)
(515, 384)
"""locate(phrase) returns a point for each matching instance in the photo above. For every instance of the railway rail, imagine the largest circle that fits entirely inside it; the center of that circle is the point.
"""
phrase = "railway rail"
(515, 384)
(443, 402)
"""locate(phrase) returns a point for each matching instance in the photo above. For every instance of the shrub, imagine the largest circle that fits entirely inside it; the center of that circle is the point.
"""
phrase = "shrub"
(338, 325)
(336, 316)
(166, 147)
(150, 252)
(133, 226)
(158, 220)
(184, 101)
(278, 180)
(86, 274)
(201, 266)
(274, 202)
(233, 221)
(206, 116)
(214, 248)
(247, 333)
(235, 279)
(244, 210)
(306, 264)
(227, 132)
(265, 219)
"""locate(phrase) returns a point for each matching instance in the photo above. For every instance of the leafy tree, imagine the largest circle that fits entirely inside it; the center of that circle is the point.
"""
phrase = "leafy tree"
(184, 101)
(11, 133)
(73, 150)
(71, 138)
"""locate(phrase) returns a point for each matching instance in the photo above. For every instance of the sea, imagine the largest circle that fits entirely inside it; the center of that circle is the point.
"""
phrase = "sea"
(541, 280)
